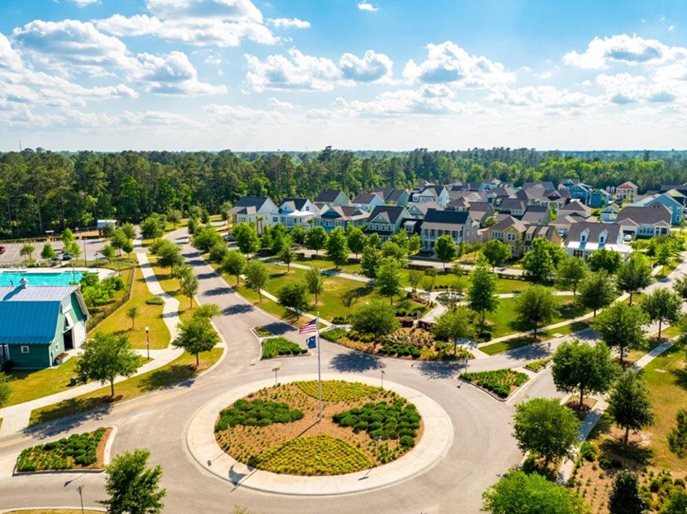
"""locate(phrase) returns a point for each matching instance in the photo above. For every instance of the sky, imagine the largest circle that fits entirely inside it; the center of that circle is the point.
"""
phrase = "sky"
(248, 75)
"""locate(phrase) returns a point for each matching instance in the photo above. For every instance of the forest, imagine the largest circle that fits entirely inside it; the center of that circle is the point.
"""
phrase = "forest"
(42, 190)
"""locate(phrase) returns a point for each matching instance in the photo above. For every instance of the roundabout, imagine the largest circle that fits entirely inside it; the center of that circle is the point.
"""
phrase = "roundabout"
(308, 447)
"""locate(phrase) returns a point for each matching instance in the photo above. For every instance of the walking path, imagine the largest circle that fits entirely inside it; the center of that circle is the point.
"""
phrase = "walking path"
(16, 417)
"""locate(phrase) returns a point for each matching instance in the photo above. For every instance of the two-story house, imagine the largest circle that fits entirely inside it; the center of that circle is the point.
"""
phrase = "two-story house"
(575, 208)
(459, 225)
(676, 208)
(256, 210)
(511, 231)
(391, 196)
(297, 211)
(536, 215)
(386, 220)
(341, 216)
(581, 192)
(515, 207)
(627, 191)
(585, 238)
(367, 201)
(600, 198)
(645, 221)
(433, 193)
(332, 198)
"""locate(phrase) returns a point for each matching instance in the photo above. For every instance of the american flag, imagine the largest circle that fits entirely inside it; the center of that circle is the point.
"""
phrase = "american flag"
(309, 327)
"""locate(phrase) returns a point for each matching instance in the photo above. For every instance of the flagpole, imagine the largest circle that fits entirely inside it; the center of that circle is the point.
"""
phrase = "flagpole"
(319, 372)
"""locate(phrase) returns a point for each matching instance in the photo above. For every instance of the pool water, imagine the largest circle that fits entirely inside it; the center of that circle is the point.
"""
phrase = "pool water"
(61, 278)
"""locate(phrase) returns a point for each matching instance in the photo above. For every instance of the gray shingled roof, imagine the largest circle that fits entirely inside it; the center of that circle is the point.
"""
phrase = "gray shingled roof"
(650, 215)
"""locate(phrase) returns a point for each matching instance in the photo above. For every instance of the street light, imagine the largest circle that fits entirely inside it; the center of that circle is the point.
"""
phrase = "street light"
(276, 372)
(382, 379)
(80, 489)
(148, 342)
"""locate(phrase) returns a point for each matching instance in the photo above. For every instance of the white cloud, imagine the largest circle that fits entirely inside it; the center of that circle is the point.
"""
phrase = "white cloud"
(449, 63)
(173, 74)
(235, 10)
(624, 88)
(293, 71)
(371, 67)
(542, 97)
(288, 23)
(367, 6)
(85, 3)
(138, 25)
(8, 57)
(619, 49)
(428, 99)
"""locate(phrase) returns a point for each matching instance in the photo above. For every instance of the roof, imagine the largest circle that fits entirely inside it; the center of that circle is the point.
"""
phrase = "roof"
(436, 218)
(535, 214)
(513, 204)
(36, 293)
(545, 231)
(344, 212)
(386, 214)
(293, 204)
(650, 215)
(576, 206)
(364, 198)
(251, 201)
(594, 230)
(329, 196)
(28, 322)
(422, 207)
(628, 185)
(508, 222)
(565, 221)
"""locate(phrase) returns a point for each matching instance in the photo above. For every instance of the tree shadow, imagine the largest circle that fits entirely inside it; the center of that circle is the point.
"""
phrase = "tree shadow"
(633, 452)
(356, 362)
(239, 308)
(169, 378)
(532, 351)
(218, 291)
(68, 415)
(210, 274)
(277, 329)
(438, 370)
(680, 377)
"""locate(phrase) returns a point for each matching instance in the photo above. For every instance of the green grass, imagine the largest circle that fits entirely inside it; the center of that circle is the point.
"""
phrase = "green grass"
(538, 365)
(30, 385)
(316, 455)
(329, 265)
(276, 346)
(180, 369)
(338, 390)
(148, 316)
(171, 285)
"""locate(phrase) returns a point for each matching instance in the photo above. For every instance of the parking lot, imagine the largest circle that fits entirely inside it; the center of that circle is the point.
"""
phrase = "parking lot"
(11, 256)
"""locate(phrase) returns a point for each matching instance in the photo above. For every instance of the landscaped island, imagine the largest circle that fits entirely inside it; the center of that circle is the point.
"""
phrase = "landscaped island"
(277, 429)
(78, 451)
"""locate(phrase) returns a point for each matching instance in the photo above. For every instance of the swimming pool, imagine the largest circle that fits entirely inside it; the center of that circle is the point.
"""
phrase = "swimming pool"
(57, 278)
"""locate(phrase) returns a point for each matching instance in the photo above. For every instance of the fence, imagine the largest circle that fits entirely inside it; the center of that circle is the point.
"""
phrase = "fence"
(95, 320)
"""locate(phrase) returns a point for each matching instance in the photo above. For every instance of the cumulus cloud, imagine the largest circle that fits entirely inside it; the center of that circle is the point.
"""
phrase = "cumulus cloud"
(138, 25)
(232, 113)
(449, 63)
(542, 97)
(435, 99)
(289, 23)
(367, 6)
(173, 74)
(9, 58)
(624, 88)
(368, 68)
(619, 49)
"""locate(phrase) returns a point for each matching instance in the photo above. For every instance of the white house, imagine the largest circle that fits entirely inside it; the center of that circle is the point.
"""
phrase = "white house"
(585, 238)
(297, 211)
(257, 210)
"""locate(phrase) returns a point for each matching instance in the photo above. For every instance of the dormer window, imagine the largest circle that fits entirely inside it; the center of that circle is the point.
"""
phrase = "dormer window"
(583, 237)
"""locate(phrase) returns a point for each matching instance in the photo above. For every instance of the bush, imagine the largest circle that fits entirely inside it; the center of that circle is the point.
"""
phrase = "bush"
(334, 334)
(73, 452)
(375, 318)
(588, 451)
(280, 346)
(155, 300)
(500, 381)
(383, 420)
(256, 413)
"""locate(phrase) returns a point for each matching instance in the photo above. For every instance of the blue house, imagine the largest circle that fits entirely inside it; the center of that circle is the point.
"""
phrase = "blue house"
(600, 198)
(675, 207)
(581, 192)
(39, 324)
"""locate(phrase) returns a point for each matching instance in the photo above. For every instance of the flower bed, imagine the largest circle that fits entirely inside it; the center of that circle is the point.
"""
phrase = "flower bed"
(538, 365)
(78, 451)
(280, 346)
(501, 382)
(362, 427)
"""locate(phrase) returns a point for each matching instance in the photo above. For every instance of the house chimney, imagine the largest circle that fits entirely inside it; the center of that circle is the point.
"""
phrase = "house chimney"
(24, 283)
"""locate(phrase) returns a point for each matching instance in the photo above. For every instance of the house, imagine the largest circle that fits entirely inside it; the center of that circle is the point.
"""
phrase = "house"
(585, 238)
(609, 214)
(297, 211)
(481, 212)
(332, 198)
(497, 195)
(433, 193)
(575, 208)
(340, 216)
(543, 231)
(391, 196)
(626, 190)
(645, 221)
(557, 199)
(367, 201)
(459, 225)
(258, 210)
(386, 220)
(600, 198)
(418, 210)
(562, 224)
(38, 324)
(511, 231)
(536, 215)
(581, 192)
(669, 201)
(512, 206)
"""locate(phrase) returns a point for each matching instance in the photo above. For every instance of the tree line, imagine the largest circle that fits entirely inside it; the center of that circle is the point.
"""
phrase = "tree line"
(42, 190)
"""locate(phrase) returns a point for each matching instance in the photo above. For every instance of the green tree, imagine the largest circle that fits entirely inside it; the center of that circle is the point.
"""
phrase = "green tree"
(152, 227)
(357, 240)
(393, 249)
(370, 261)
(680, 286)
(314, 280)
(388, 278)
(174, 217)
(205, 238)
(625, 497)
(169, 255)
(546, 428)
(133, 487)
(445, 249)
(571, 272)
(234, 264)
(246, 238)
(5, 390)
(482, 293)
(189, 287)
(118, 239)
(316, 239)
(663, 306)
(606, 260)
(207, 311)
(337, 248)
(218, 252)
(132, 314)
(129, 231)
(535, 307)
(106, 357)
(67, 237)
(376, 318)
(518, 492)
(27, 251)
(677, 437)
(414, 244)
(196, 335)
(629, 403)
(597, 291)
(256, 276)
(374, 241)
(287, 256)
(621, 326)
(676, 504)
(414, 278)
(293, 296)
(298, 234)
(496, 252)
(48, 252)
(583, 368)
(108, 252)
(634, 275)
(541, 260)
(452, 326)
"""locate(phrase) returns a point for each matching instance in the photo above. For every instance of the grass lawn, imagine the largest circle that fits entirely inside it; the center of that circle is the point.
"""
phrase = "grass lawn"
(148, 316)
(324, 264)
(29, 385)
(180, 369)
(518, 342)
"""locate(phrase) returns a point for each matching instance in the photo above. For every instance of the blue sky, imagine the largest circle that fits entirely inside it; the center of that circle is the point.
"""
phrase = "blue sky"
(302, 74)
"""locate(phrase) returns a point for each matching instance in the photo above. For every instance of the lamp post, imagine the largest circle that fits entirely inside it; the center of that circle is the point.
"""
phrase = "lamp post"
(80, 489)
(148, 342)
(83, 241)
(276, 372)
(383, 379)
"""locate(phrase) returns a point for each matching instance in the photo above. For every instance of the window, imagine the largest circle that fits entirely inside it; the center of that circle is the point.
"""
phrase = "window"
(24, 349)
(510, 236)
(274, 219)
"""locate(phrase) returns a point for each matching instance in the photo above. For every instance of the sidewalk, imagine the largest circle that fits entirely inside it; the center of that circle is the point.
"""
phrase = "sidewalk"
(16, 417)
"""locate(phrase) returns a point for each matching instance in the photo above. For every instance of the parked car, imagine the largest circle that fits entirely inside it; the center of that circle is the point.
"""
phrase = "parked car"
(66, 257)
(2, 250)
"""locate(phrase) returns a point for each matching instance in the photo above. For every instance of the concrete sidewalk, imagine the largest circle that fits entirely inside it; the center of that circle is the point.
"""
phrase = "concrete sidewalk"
(16, 417)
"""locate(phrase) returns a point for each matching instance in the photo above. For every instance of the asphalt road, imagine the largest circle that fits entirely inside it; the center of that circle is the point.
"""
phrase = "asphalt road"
(483, 447)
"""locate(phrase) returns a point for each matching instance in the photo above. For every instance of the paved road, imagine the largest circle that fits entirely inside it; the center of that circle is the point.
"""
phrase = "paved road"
(482, 448)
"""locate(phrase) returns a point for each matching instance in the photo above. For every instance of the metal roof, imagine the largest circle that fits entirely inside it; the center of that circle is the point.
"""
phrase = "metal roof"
(36, 293)
(28, 322)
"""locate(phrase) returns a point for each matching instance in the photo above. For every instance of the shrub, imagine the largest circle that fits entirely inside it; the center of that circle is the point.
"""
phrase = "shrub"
(256, 413)
(383, 420)
(73, 452)
(337, 390)
(499, 382)
(155, 300)
(280, 346)
(334, 334)
(376, 318)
